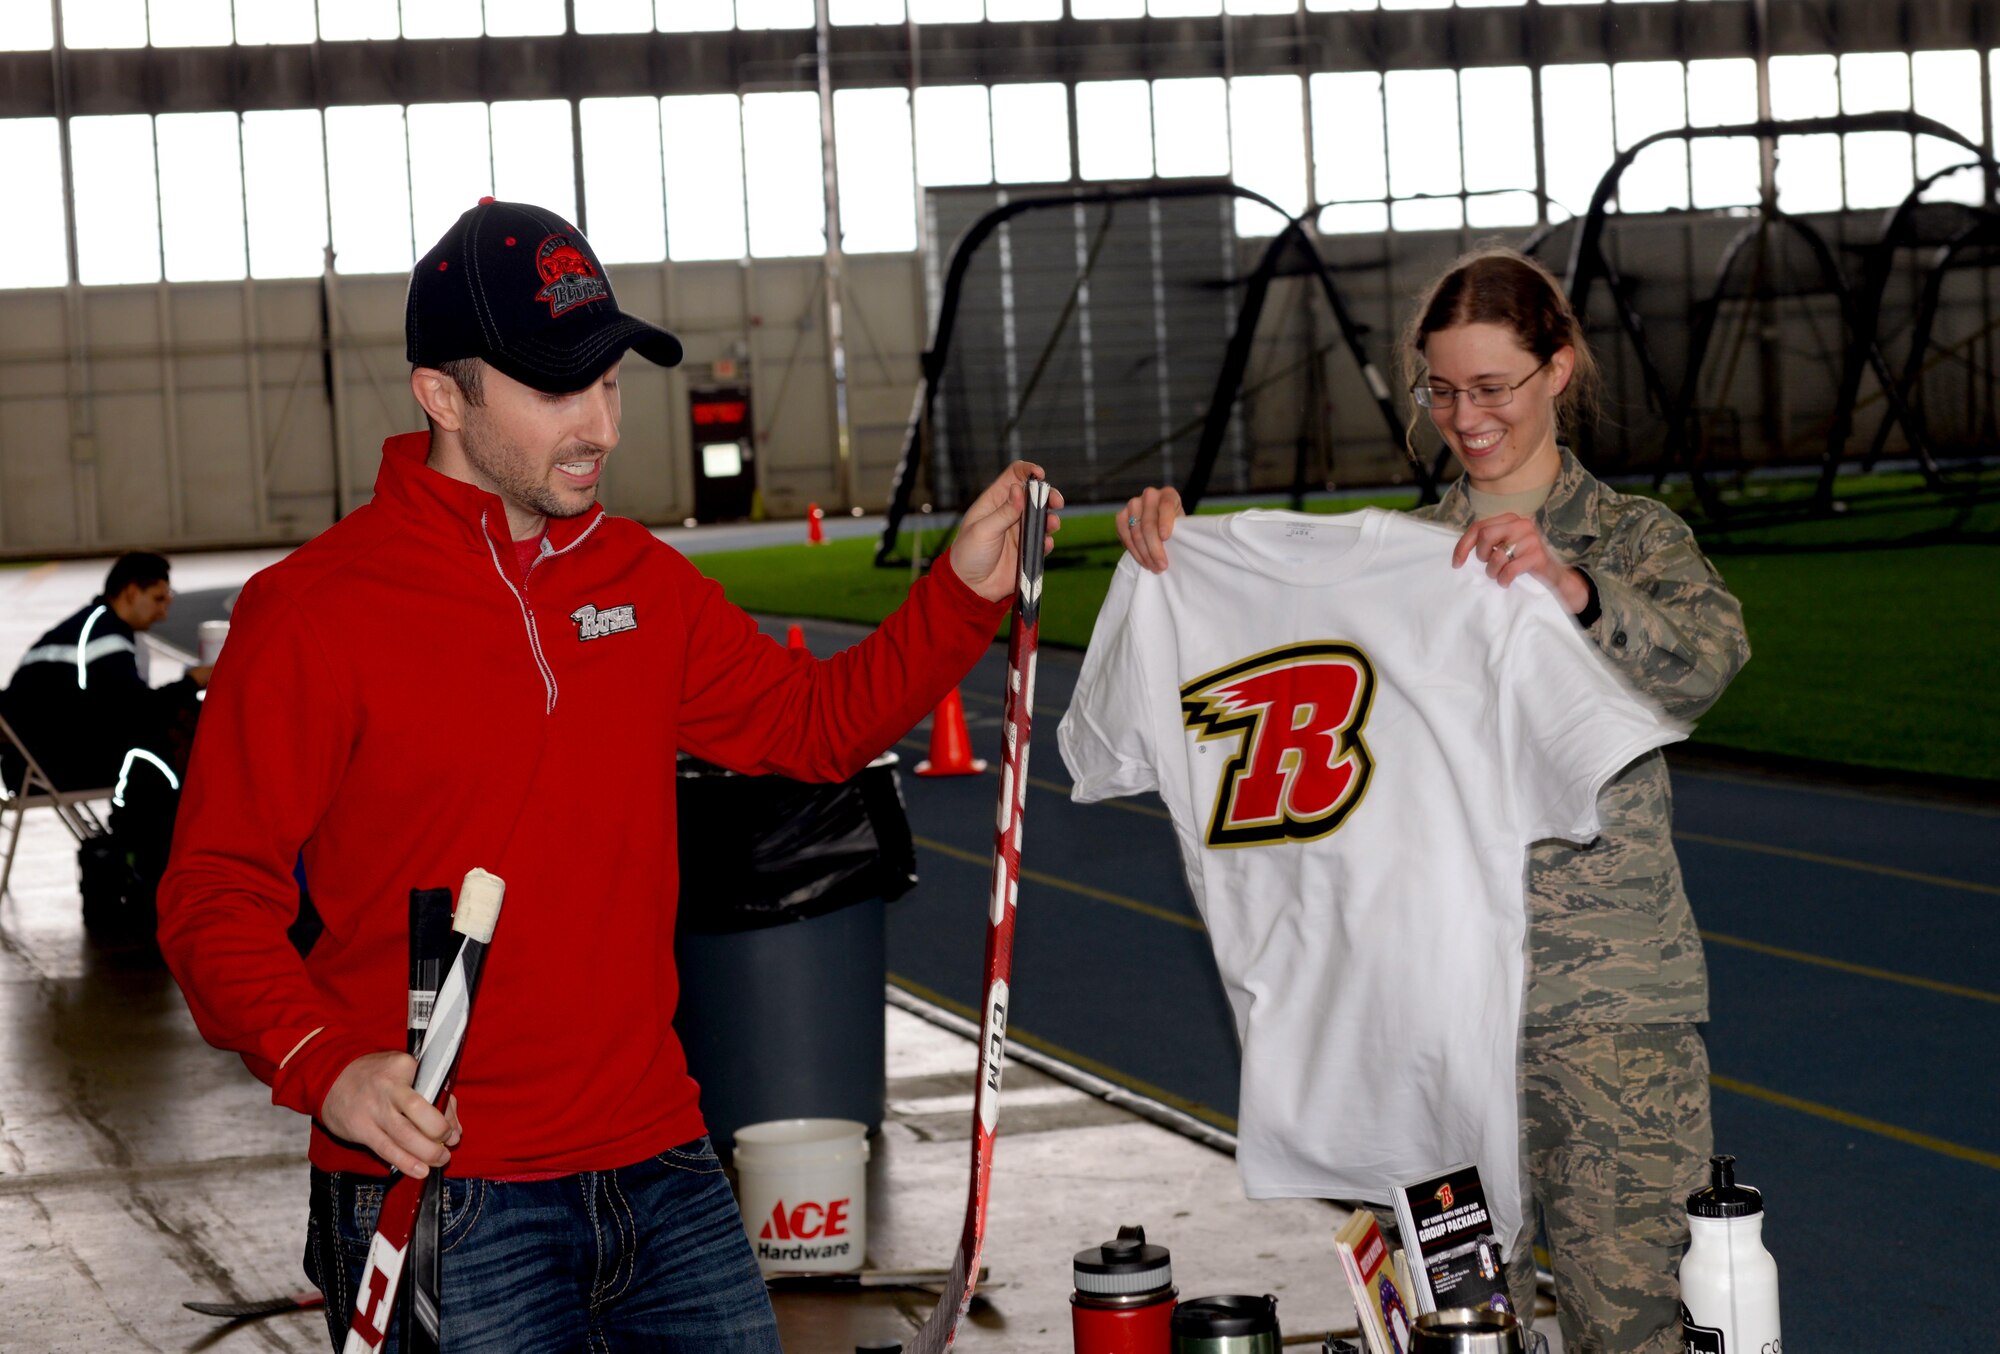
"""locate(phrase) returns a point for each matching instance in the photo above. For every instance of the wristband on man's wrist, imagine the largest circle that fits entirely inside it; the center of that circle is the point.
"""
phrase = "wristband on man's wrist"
(1591, 610)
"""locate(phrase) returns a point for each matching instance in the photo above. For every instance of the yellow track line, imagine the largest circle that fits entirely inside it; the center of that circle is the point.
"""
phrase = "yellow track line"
(1841, 862)
(1701, 838)
(1723, 1083)
(1068, 886)
(1863, 970)
(1909, 1137)
(1015, 1034)
(1713, 937)
(1906, 1136)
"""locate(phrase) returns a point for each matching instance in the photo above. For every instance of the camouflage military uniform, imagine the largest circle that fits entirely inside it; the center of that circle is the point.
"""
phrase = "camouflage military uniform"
(1614, 1077)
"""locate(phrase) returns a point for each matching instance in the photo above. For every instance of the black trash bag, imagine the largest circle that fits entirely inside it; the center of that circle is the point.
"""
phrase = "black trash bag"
(759, 851)
(117, 893)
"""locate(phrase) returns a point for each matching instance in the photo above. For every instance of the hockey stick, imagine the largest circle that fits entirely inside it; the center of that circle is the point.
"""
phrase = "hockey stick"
(938, 1332)
(309, 1301)
(479, 899)
(431, 951)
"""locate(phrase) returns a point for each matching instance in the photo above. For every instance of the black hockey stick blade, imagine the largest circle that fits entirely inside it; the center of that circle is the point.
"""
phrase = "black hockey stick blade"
(310, 1300)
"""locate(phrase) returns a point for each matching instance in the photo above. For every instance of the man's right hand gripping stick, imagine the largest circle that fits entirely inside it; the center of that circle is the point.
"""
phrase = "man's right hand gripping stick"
(479, 899)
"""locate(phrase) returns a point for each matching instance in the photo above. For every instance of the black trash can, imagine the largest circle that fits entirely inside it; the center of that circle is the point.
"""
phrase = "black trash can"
(780, 941)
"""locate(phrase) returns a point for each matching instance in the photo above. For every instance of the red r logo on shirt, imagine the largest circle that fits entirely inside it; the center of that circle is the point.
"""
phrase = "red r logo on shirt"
(1300, 766)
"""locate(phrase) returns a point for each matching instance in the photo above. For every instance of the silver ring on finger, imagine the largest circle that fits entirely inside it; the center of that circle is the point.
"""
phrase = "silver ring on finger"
(1131, 521)
(1508, 553)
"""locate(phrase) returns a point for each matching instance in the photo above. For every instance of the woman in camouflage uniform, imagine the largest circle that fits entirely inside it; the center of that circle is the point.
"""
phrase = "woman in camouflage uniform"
(1614, 1075)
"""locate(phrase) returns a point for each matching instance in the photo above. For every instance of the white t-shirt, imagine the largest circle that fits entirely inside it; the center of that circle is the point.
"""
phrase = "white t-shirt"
(1357, 744)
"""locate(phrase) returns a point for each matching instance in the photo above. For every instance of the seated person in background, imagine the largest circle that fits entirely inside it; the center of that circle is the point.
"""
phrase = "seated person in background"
(81, 702)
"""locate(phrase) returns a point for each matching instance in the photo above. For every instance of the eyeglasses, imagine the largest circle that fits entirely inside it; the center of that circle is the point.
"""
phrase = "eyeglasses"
(1488, 396)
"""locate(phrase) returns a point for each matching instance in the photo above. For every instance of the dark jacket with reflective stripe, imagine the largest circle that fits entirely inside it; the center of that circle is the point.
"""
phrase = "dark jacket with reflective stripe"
(79, 701)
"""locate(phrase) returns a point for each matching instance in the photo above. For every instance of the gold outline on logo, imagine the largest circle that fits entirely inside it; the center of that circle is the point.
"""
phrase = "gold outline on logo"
(1207, 718)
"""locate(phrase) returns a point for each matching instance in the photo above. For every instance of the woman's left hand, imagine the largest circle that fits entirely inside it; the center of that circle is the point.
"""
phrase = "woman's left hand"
(1511, 545)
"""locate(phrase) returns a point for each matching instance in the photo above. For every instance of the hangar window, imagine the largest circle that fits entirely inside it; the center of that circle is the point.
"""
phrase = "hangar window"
(269, 22)
(701, 142)
(1499, 143)
(1723, 172)
(29, 26)
(865, 12)
(636, 16)
(356, 20)
(451, 165)
(1649, 97)
(117, 202)
(1031, 133)
(1576, 135)
(622, 185)
(31, 164)
(201, 196)
(367, 163)
(951, 11)
(534, 154)
(783, 173)
(441, 18)
(774, 13)
(1880, 166)
(1946, 85)
(1350, 157)
(1190, 127)
(871, 137)
(1426, 161)
(1114, 129)
(518, 18)
(284, 181)
(954, 135)
(191, 23)
(1268, 147)
(104, 23)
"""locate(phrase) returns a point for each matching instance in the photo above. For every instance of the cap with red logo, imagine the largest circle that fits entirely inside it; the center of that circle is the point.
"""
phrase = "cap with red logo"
(520, 287)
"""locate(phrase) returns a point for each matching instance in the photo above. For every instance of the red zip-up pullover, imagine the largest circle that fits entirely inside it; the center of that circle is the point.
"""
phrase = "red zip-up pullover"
(398, 701)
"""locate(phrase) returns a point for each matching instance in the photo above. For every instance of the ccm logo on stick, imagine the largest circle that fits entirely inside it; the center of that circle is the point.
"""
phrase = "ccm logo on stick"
(806, 1221)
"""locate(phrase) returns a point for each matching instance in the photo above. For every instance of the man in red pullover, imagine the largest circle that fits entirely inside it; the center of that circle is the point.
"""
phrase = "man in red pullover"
(482, 667)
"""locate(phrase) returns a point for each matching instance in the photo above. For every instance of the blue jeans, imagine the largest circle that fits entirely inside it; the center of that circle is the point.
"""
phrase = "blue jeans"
(650, 1256)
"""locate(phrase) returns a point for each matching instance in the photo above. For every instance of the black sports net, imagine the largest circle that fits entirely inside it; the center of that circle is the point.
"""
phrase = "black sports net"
(1939, 315)
(1087, 338)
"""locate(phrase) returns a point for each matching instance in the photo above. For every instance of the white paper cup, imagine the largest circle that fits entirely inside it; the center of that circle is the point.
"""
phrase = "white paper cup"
(212, 635)
(803, 1186)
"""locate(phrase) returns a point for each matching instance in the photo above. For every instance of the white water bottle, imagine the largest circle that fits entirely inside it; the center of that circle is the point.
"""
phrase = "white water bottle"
(1729, 1282)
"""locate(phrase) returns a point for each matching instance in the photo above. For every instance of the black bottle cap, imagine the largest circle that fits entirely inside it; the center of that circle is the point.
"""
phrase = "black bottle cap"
(1128, 1265)
(1212, 1318)
(1722, 1197)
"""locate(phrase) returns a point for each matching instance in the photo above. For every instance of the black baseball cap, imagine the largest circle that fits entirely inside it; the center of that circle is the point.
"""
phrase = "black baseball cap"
(520, 287)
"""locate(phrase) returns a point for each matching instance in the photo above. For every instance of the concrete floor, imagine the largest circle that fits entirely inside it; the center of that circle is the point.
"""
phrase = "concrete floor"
(140, 1168)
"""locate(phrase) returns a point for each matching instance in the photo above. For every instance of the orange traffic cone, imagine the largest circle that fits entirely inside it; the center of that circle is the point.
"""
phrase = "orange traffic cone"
(951, 746)
(795, 638)
(815, 533)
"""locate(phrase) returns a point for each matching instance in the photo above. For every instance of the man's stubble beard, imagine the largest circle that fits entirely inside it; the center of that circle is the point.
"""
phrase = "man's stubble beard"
(516, 484)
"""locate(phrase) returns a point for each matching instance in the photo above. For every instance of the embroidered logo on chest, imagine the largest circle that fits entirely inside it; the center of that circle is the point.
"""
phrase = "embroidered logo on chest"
(594, 624)
(1296, 714)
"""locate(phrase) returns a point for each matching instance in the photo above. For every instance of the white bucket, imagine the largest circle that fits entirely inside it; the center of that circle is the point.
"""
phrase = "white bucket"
(213, 633)
(803, 1184)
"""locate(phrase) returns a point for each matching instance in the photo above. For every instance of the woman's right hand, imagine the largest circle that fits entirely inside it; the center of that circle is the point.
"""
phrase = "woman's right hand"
(1147, 522)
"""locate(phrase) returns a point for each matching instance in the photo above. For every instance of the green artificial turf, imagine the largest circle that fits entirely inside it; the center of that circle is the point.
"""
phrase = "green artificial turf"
(1874, 632)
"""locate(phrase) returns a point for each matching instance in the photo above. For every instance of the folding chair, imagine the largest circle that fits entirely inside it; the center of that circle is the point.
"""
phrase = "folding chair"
(24, 785)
